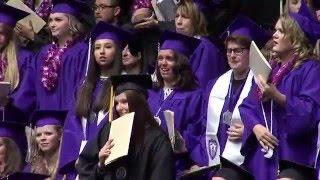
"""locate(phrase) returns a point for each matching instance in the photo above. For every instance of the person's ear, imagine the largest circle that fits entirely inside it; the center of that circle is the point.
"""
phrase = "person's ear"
(117, 11)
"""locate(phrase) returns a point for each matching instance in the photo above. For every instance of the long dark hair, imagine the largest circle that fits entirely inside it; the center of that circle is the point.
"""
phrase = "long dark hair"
(137, 102)
(85, 104)
(185, 78)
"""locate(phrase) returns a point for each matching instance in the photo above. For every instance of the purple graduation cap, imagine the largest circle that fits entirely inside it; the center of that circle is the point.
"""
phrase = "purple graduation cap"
(48, 117)
(233, 171)
(16, 132)
(245, 27)
(180, 43)
(296, 171)
(72, 7)
(107, 31)
(137, 82)
(309, 27)
(25, 176)
(10, 15)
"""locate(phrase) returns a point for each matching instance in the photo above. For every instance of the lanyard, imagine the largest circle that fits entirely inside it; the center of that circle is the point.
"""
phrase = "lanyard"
(265, 118)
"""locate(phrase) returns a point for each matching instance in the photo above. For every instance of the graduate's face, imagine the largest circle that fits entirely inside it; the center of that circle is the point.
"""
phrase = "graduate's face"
(121, 104)
(48, 138)
(281, 44)
(104, 52)
(129, 60)
(184, 24)
(5, 34)
(238, 57)
(105, 11)
(166, 63)
(294, 6)
(59, 25)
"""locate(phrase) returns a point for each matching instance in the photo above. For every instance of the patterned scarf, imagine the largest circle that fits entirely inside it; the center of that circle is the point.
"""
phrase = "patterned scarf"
(3, 67)
(44, 9)
(278, 72)
(51, 66)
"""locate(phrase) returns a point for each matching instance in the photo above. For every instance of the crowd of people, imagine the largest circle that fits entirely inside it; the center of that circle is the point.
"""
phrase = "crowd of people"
(95, 61)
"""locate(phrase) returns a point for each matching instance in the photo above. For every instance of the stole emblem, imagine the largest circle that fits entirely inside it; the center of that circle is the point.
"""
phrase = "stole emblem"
(121, 173)
(212, 148)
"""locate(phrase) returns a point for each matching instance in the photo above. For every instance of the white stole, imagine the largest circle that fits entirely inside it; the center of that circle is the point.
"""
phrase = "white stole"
(215, 104)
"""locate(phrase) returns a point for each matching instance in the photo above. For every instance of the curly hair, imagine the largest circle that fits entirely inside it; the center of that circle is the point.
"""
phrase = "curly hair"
(13, 157)
(297, 37)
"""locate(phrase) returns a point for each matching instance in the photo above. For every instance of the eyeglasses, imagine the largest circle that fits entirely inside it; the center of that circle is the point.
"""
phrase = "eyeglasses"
(102, 7)
(236, 51)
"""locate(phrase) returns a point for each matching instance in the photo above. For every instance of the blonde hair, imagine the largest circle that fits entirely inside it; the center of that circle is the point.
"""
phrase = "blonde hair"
(13, 155)
(301, 45)
(12, 70)
(75, 26)
(37, 156)
(191, 10)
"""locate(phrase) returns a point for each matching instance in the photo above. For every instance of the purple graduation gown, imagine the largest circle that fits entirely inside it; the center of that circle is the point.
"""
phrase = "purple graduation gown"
(32, 94)
(186, 106)
(207, 62)
(222, 130)
(24, 58)
(295, 125)
(73, 135)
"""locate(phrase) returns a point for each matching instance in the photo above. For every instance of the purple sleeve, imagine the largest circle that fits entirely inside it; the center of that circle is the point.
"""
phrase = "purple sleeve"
(302, 106)
(192, 134)
(249, 112)
(207, 62)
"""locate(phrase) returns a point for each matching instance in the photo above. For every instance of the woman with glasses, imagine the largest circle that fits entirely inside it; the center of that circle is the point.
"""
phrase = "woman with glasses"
(224, 127)
(281, 114)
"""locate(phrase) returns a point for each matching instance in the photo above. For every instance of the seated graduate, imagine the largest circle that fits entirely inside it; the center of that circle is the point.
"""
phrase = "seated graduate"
(13, 143)
(150, 154)
(57, 69)
(207, 62)
(45, 142)
(281, 115)
(92, 102)
(177, 91)
(223, 95)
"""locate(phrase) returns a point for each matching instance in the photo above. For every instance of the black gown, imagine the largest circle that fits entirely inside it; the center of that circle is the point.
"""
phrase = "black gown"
(154, 162)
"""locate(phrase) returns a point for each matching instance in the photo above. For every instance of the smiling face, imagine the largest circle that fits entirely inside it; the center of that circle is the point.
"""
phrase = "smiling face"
(48, 138)
(166, 63)
(281, 44)
(104, 52)
(59, 25)
(238, 57)
(121, 104)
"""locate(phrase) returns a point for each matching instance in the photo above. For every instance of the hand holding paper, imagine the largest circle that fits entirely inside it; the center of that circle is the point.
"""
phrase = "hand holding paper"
(258, 63)
(120, 133)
